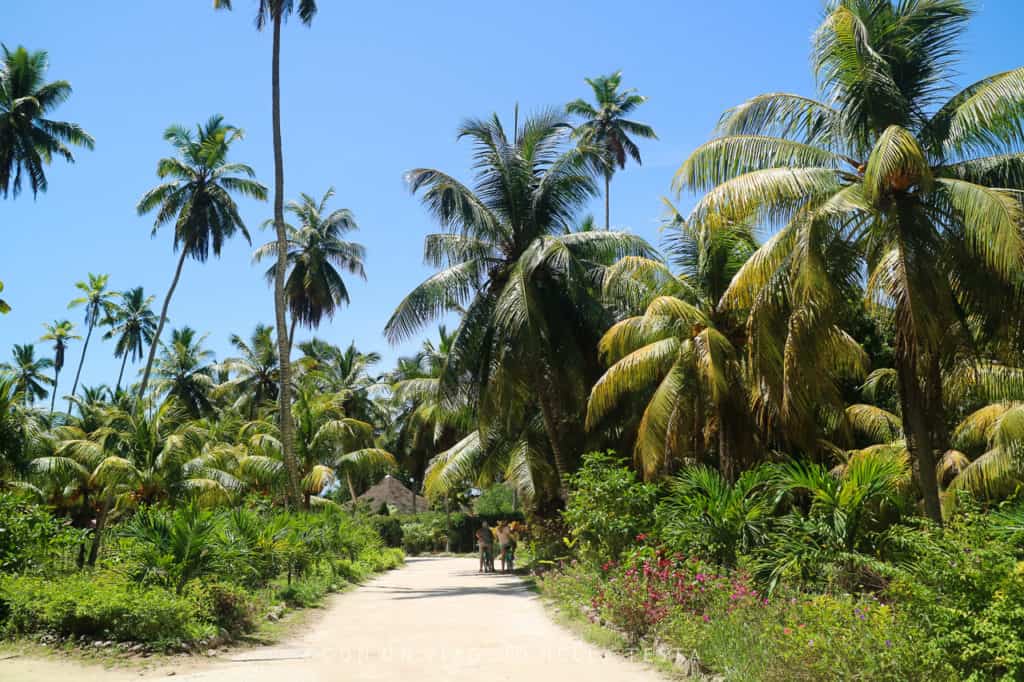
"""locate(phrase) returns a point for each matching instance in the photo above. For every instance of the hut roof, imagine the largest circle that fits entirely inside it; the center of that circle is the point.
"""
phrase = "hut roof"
(391, 491)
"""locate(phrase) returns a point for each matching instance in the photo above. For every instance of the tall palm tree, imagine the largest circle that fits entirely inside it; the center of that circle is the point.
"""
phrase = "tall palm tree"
(185, 372)
(509, 257)
(275, 12)
(60, 332)
(313, 286)
(255, 370)
(197, 198)
(99, 303)
(28, 140)
(605, 129)
(923, 186)
(133, 323)
(28, 372)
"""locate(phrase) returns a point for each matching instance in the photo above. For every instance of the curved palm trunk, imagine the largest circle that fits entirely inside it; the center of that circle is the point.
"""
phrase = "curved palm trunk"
(120, 375)
(160, 326)
(56, 382)
(81, 361)
(283, 338)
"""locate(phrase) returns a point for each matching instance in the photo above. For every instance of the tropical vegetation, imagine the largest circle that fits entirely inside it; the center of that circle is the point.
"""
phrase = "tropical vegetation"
(785, 443)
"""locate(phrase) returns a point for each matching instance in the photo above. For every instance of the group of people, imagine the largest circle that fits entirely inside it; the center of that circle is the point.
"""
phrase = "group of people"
(505, 536)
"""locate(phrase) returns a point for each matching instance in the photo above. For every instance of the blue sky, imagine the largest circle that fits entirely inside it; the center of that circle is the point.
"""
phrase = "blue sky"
(370, 91)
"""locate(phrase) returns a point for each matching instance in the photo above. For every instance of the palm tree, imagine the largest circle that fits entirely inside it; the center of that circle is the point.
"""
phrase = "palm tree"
(27, 371)
(28, 141)
(60, 332)
(133, 323)
(313, 286)
(255, 370)
(605, 129)
(184, 372)
(99, 303)
(275, 12)
(345, 372)
(511, 259)
(198, 199)
(4, 306)
(923, 187)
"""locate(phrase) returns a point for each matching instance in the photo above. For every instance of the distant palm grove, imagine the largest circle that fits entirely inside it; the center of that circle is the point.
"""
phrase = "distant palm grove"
(822, 361)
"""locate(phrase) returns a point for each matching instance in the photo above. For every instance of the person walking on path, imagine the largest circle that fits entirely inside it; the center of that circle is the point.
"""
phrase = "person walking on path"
(505, 542)
(486, 542)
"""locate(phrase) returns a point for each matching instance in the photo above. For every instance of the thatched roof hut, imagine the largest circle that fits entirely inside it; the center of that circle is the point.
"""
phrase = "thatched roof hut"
(391, 492)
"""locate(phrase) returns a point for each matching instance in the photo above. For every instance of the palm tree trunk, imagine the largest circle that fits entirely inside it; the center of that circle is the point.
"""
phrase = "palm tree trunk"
(351, 490)
(283, 340)
(81, 361)
(120, 375)
(160, 326)
(56, 380)
(101, 523)
(549, 412)
(919, 437)
(607, 201)
(291, 335)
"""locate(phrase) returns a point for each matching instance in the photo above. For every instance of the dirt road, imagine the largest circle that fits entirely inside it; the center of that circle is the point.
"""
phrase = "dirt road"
(437, 619)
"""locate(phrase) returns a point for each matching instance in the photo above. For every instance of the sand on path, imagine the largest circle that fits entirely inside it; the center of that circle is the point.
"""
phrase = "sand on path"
(435, 620)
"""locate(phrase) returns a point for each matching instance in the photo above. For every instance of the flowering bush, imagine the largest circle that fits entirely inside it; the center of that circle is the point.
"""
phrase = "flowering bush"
(640, 593)
(722, 620)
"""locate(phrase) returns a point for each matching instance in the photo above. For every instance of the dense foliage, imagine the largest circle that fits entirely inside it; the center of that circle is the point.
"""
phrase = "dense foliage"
(825, 352)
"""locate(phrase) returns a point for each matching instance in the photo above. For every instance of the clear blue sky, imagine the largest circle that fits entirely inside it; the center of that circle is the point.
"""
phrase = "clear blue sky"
(370, 91)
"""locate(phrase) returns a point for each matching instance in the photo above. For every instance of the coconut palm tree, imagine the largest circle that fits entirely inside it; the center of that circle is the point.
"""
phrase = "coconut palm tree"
(605, 129)
(184, 372)
(4, 306)
(99, 304)
(327, 440)
(197, 198)
(255, 370)
(28, 373)
(510, 258)
(313, 286)
(28, 140)
(133, 324)
(275, 12)
(345, 372)
(60, 332)
(924, 187)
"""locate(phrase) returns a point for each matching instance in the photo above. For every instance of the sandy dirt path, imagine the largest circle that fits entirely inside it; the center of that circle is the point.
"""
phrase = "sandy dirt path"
(437, 619)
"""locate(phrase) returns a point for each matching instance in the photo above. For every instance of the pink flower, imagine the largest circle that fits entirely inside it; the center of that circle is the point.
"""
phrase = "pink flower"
(787, 631)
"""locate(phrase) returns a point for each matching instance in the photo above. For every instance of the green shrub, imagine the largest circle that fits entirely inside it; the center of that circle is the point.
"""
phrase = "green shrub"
(98, 605)
(966, 584)
(495, 501)
(304, 593)
(607, 507)
(31, 539)
(225, 605)
(389, 528)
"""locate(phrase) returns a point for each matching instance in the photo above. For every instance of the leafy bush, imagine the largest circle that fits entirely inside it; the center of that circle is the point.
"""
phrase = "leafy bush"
(389, 528)
(172, 547)
(966, 583)
(100, 605)
(31, 539)
(732, 629)
(495, 501)
(227, 606)
(607, 507)
(703, 513)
